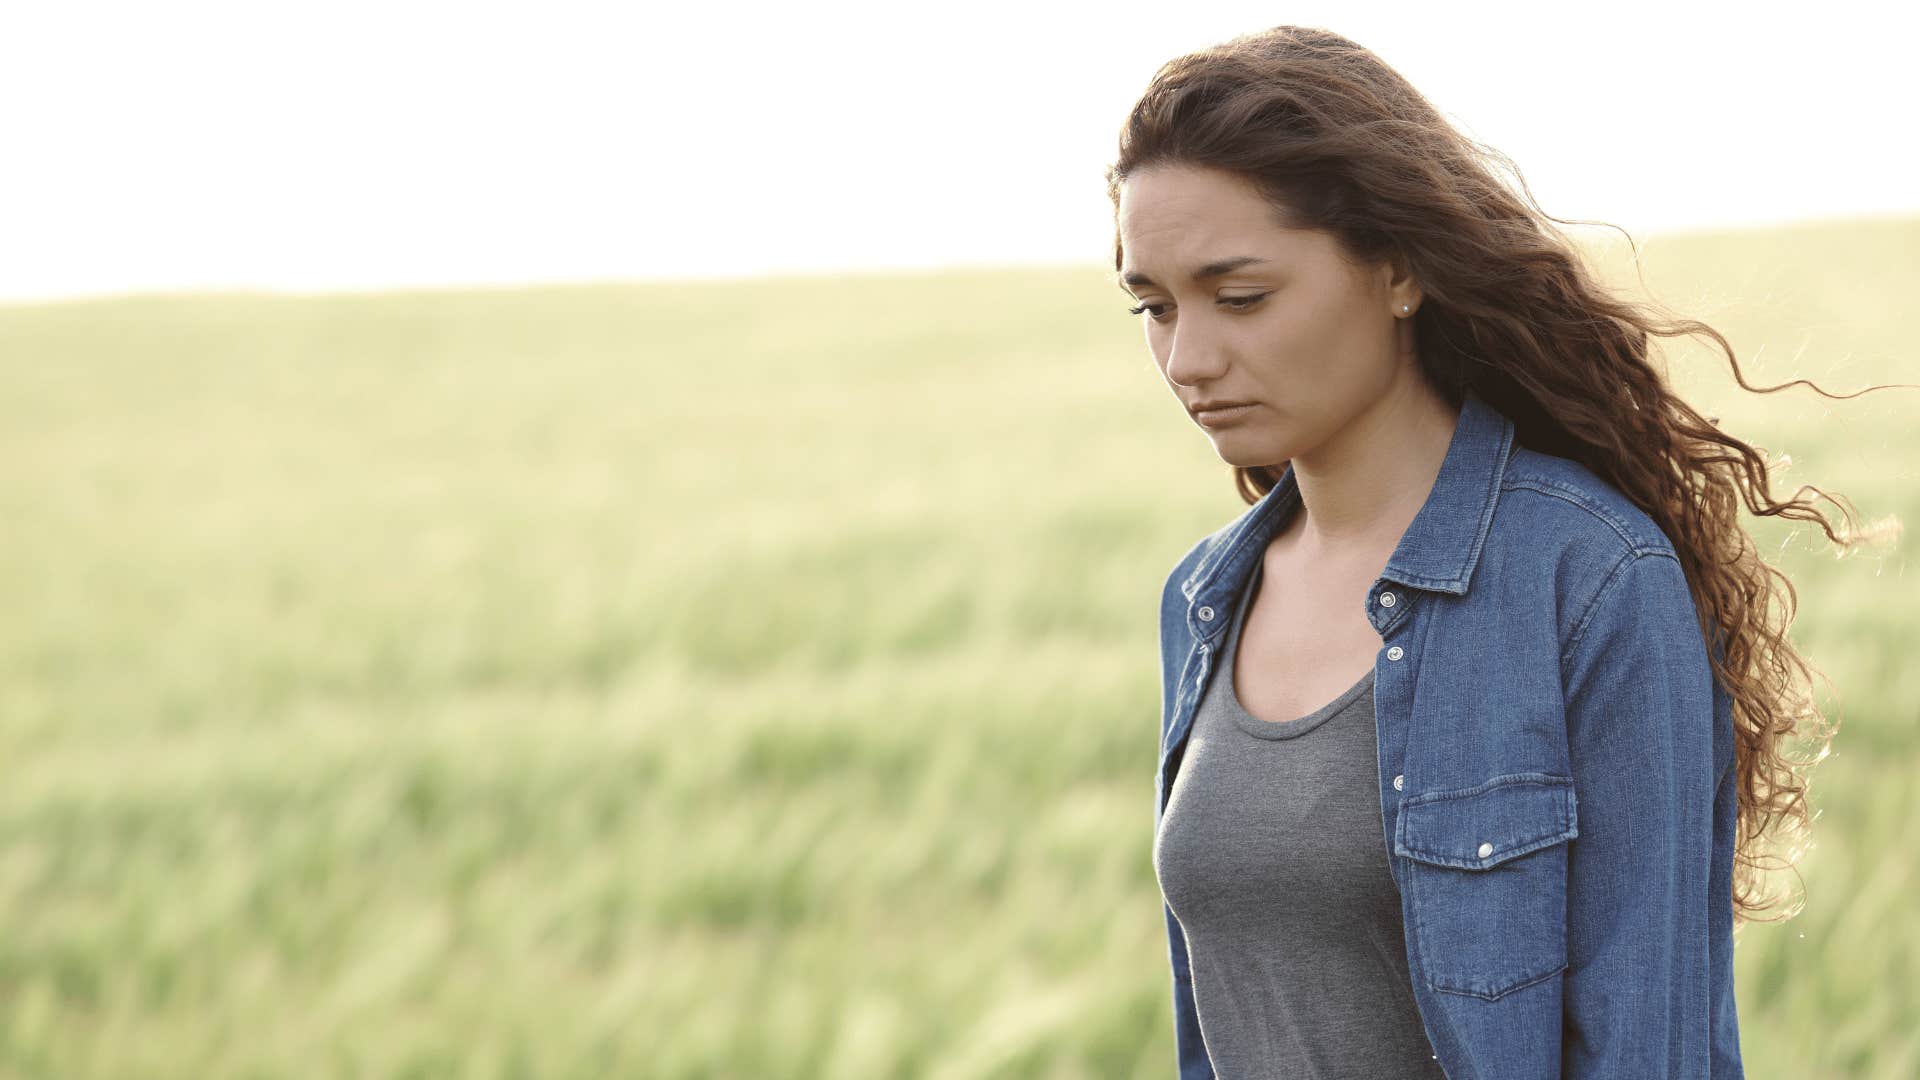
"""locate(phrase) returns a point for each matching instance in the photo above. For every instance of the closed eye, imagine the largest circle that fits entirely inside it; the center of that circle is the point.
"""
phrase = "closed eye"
(1238, 303)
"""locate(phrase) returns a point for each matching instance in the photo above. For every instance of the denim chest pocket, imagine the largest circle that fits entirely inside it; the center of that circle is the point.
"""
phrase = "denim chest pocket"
(1487, 876)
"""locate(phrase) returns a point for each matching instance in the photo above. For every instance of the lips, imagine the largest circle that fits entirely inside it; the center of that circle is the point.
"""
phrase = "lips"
(1222, 415)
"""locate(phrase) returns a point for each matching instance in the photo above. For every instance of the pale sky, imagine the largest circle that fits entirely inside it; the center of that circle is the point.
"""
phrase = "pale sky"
(347, 145)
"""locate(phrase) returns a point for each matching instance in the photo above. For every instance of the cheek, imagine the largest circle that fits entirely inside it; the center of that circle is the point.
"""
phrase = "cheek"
(1320, 335)
(1292, 341)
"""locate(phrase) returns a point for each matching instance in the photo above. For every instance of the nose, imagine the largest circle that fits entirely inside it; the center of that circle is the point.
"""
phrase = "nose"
(1192, 357)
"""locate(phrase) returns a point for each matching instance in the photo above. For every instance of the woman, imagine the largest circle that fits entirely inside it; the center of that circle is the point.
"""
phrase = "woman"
(1450, 781)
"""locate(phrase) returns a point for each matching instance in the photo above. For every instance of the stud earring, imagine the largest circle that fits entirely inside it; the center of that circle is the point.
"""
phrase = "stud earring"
(1404, 309)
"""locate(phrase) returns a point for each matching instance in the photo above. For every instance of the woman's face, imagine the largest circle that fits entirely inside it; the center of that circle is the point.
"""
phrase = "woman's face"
(1282, 322)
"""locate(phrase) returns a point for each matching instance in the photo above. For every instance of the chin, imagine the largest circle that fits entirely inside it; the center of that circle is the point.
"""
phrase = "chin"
(1247, 447)
(1242, 457)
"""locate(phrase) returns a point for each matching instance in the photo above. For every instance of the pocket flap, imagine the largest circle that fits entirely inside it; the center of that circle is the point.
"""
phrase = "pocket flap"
(1485, 825)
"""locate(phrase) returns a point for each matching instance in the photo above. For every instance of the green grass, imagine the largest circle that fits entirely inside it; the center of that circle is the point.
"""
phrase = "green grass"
(752, 679)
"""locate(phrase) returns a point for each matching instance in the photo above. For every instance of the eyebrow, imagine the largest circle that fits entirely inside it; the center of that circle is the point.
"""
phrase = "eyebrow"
(1213, 269)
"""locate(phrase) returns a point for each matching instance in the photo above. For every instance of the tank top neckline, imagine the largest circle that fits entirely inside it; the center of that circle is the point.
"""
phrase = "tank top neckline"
(1271, 729)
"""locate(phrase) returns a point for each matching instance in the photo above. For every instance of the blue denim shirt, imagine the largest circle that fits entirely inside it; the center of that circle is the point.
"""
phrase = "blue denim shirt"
(1555, 763)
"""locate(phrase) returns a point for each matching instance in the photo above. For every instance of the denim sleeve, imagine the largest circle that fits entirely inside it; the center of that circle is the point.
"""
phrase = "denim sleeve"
(1648, 989)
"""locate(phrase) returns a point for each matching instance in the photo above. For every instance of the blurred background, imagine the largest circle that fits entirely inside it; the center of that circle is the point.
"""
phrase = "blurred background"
(607, 540)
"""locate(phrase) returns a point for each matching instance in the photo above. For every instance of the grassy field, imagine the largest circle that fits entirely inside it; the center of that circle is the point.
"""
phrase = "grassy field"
(752, 679)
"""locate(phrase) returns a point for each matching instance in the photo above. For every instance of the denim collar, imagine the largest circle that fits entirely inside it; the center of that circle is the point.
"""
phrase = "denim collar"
(1437, 552)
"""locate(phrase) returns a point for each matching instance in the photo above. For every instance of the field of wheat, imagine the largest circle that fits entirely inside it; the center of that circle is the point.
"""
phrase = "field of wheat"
(739, 679)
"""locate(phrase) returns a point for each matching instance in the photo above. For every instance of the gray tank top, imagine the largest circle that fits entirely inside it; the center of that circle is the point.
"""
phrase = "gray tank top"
(1271, 855)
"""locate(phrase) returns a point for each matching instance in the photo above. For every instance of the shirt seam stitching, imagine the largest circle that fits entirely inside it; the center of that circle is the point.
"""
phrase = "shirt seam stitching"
(1632, 556)
(1578, 498)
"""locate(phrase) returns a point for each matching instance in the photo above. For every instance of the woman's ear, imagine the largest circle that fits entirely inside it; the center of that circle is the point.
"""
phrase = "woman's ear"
(1396, 276)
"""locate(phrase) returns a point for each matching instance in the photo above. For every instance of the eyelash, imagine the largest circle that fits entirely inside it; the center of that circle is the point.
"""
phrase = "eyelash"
(1239, 303)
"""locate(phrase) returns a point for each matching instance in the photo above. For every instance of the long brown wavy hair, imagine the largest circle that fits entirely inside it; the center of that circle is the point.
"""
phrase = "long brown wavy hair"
(1338, 141)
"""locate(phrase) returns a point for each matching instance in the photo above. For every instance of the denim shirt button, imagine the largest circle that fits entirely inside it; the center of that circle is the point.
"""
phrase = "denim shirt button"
(1386, 599)
(1486, 850)
(1397, 781)
(1206, 614)
(1395, 653)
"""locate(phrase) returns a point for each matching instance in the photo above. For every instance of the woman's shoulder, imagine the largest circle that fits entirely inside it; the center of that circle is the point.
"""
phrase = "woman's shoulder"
(1549, 502)
(1562, 532)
